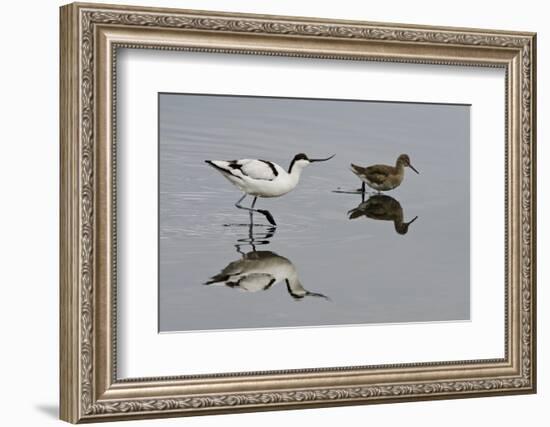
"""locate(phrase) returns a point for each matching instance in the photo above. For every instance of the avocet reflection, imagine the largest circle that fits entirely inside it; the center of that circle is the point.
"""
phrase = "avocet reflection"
(261, 270)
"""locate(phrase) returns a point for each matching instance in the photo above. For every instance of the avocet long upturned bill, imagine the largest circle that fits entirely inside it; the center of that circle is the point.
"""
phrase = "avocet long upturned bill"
(262, 178)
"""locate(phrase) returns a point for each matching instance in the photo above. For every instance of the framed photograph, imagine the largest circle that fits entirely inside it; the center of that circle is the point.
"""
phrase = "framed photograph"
(266, 212)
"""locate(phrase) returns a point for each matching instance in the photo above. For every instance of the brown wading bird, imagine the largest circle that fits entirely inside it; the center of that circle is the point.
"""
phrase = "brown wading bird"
(384, 208)
(383, 177)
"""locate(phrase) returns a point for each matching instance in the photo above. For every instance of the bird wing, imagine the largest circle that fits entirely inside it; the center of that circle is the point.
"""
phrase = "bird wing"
(375, 209)
(250, 168)
(254, 282)
(376, 174)
(230, 273)
(256, 169)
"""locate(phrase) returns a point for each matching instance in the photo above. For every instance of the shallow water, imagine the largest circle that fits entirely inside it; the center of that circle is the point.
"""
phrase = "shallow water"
(357, 271)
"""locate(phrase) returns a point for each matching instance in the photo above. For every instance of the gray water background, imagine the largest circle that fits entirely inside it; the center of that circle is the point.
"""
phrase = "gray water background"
(370, 273)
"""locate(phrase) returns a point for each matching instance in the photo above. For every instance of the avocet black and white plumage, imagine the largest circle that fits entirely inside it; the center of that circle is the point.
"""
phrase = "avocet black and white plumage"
(259, 271)
(262, 178)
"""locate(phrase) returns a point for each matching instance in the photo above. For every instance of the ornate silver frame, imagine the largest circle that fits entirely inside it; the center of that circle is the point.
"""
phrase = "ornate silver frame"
(90, 36)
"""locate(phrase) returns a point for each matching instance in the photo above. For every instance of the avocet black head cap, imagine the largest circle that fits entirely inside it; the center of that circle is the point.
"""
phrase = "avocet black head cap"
(301, 157)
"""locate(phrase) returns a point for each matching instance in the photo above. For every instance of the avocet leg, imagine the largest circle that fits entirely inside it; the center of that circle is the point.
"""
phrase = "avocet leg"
(265, 213)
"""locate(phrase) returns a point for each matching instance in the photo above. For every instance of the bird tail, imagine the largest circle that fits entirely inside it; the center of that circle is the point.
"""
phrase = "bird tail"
(355, 213)
(218, 278)
(220, 165)
(356, 169)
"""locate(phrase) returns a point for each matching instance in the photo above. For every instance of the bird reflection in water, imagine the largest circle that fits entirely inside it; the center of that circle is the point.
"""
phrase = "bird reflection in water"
(260, 270)
(383, 208)
(255, 238)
